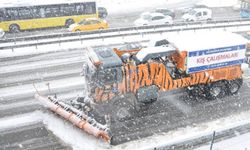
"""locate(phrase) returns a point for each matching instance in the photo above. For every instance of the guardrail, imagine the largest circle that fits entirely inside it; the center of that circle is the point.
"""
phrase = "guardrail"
(206, 138)
(118, 32)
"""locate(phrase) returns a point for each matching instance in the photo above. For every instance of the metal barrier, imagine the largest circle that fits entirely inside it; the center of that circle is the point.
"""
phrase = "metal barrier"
(119, 32)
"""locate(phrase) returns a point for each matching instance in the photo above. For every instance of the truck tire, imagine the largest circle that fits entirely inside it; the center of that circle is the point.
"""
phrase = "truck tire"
(14, 28)
(215, 90)
(147, 94)
(196, 91)
(234, 86)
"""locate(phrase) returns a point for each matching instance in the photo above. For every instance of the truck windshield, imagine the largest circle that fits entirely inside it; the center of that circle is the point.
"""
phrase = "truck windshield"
(107, 76)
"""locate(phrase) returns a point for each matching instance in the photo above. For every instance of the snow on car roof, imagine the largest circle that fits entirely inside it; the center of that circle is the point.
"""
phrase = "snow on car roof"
(205, 40)
(156, 14)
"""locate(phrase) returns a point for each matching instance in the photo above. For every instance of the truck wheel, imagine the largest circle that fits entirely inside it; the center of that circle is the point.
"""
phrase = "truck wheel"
(196, 91)
(14, 28)
(69, 22)
(147, 94)
(215, 90)
(234, 86)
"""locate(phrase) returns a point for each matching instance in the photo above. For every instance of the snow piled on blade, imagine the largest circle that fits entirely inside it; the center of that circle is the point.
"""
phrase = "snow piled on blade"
(77, 138)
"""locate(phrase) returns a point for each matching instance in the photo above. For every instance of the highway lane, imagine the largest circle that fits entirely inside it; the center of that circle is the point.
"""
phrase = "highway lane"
(33, 137)
(173, 108)
(127, 19)
(162, 116)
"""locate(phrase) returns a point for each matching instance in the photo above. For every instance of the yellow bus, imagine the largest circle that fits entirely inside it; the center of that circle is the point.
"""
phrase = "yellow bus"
(31, 14)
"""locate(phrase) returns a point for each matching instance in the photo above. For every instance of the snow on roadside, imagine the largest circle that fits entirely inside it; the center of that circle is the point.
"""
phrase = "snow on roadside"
(240, 142)
(79, 140)
(42, 87)
(125, 6)
(218, 3)
(189, 132)
(20, 120)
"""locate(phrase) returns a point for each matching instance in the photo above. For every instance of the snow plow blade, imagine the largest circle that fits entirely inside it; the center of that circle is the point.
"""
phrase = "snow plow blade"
(76, 117)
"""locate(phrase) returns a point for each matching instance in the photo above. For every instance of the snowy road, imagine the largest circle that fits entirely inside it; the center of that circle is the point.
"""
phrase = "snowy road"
(172, 111)
(25, 124)
(124, 19)
(37, 136)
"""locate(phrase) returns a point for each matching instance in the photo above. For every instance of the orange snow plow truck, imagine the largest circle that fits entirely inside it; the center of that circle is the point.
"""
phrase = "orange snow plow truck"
(121, 88)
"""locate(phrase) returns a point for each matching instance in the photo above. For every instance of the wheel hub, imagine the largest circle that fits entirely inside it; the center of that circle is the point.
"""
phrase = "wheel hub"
(233, 88)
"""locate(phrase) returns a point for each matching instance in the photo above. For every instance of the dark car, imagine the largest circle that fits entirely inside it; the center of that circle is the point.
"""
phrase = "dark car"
(102, 12)
(166, 12)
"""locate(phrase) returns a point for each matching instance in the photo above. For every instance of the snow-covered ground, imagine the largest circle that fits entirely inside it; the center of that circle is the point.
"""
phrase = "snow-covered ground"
(80, 140)
(240, 142)
(218, 3)
(123, 6)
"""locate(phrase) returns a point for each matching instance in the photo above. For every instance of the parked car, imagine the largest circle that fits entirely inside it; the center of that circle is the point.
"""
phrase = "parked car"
(153, 19)
(89, 24)
(198, 14)
(102, 12)
(166, 12)
(1, 33)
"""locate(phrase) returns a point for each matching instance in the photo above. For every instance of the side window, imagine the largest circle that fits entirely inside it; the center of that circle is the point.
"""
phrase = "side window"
(11, 14)
(157, 18)
(95, 22)
(87, 23)
(42, 12)
(90, 8)
(25, 13)
(198, 14)
(35, 12)
(52, 11)
(1, 15)
(80, 9)
(67, 10)
(204, 13)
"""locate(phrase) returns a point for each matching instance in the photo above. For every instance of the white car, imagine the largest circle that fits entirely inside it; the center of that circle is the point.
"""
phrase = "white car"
(153, 19)
(198, 14)
(1, 33)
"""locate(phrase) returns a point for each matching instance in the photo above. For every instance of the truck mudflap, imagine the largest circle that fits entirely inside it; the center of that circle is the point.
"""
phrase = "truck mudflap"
(76, 117)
